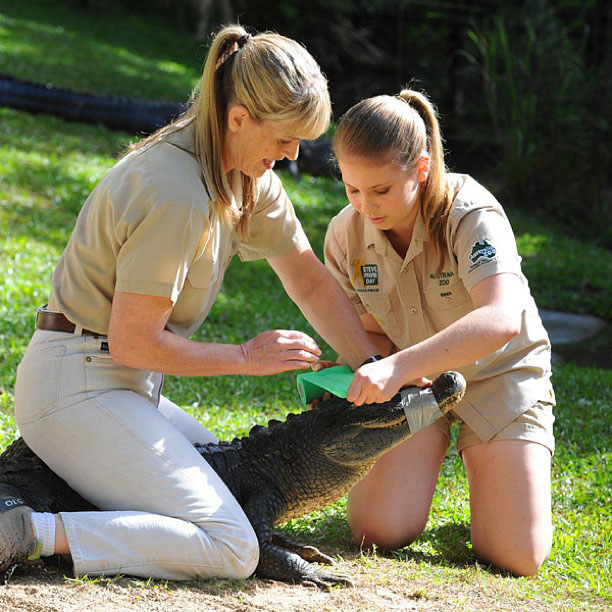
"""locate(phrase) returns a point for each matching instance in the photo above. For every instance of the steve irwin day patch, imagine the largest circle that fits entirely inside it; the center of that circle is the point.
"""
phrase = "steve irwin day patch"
(369, 274)
(482, 251)
(365, 276)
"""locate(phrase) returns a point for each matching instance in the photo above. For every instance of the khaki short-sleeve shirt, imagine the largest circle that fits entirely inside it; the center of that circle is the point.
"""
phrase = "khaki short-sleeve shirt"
(150, 227)
(411, 300)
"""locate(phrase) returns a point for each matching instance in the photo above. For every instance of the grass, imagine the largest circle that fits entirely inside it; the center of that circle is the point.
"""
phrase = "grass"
(564, 273)
(140, 59)
(48, 166)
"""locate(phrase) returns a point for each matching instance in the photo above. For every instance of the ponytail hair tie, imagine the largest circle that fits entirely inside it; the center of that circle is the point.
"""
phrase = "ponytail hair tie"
(243, 40)
(228, 50)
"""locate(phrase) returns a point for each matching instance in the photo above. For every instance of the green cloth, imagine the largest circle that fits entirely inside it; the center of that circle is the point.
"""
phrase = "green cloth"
(336, 380)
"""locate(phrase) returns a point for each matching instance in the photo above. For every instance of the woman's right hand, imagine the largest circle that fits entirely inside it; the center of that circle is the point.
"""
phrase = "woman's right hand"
(378, 382)
(280, 350)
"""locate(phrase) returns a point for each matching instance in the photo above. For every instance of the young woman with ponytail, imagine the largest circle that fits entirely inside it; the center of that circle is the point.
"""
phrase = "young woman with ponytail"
(139, 275)
(430, 263)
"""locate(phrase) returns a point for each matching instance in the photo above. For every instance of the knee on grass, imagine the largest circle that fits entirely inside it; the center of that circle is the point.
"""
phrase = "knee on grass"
(385, 536)
(522, 560)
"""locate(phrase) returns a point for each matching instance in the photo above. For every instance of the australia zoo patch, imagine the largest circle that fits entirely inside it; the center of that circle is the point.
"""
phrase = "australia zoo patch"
(482, 252)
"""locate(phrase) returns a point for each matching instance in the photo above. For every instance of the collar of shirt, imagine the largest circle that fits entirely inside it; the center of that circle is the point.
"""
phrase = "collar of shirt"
(378, 239)
(183, 136)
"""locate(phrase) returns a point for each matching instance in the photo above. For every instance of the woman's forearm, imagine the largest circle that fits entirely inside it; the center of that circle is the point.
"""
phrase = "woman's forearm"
(171, 354)
(137, 338)
(325, 305)
(331, 313)
(474, 336)
(269, 352)
(494, 321)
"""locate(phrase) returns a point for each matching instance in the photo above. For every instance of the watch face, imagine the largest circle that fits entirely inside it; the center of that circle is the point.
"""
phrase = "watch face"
(372, 359)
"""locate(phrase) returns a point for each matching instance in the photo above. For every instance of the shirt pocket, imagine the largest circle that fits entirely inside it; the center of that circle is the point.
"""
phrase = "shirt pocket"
(447, 298)
(380, 307)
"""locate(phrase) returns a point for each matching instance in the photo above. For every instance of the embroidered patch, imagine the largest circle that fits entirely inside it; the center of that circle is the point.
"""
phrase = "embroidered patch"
(365, 276)
(357, 277)
(482, 252)
(369, 274)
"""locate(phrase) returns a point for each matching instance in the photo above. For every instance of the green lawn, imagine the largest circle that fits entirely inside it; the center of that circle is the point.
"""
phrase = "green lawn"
(48, 166)
(142, 58)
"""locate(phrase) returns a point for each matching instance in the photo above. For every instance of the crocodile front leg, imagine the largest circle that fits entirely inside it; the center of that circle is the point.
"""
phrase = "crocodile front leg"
(280, 564)
(276, 562)
(307, 552)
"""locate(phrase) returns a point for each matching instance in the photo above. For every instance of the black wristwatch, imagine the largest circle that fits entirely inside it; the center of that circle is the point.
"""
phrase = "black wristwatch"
(372, 359)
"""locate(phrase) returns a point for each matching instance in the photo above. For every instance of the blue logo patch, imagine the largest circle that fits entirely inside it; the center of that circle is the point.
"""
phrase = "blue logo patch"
(482, 251)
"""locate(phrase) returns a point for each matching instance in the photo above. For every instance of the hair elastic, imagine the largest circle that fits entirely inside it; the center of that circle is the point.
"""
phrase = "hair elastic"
(372, 359)
(243, 40)
(226, 53)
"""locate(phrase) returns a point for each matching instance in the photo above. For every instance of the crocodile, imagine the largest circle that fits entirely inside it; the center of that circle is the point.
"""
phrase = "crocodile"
(278, 472)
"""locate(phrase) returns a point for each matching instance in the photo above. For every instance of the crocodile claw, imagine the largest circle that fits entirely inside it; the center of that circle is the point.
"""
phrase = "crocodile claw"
(325, 580)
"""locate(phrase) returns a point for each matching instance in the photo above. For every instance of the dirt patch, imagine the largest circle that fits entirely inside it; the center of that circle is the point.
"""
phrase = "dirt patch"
(380, 584)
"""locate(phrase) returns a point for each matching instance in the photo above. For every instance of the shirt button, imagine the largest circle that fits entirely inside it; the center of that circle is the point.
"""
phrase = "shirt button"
(413, 310)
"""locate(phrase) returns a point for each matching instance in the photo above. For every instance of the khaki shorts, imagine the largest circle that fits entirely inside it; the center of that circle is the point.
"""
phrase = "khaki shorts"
(534, 425)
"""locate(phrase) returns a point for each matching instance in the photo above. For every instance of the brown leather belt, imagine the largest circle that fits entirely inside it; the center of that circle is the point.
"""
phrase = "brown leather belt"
(49, 320)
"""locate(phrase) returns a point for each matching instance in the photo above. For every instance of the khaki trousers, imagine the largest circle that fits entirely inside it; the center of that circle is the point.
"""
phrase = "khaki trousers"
(107, 431)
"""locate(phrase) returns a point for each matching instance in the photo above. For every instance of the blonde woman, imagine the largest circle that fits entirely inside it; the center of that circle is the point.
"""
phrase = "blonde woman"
(137, 278)
(429, 261)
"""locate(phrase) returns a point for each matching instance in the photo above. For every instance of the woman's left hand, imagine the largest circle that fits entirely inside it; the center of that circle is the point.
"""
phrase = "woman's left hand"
(378, 382)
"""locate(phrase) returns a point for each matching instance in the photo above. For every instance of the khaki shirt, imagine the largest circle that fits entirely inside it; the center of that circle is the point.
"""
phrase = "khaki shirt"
(150, 227)
(412, 301)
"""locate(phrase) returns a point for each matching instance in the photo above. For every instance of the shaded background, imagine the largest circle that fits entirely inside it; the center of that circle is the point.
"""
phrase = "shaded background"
(522, 86)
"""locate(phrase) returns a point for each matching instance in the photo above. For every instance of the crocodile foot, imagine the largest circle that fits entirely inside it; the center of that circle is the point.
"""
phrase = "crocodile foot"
(307, 552)
(279, 563)
(324, 580)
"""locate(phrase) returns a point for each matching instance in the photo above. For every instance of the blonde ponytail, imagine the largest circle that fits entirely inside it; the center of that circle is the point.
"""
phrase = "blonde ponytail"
(436, 196)
(209, 106)
(398, 129)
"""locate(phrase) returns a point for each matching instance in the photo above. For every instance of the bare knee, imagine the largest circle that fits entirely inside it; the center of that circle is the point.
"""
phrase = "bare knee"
(522, 559)
(510, 503)
(374, 532)
(389, 507)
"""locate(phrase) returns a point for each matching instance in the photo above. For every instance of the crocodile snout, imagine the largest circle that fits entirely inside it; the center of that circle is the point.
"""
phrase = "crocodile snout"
(448, 389)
